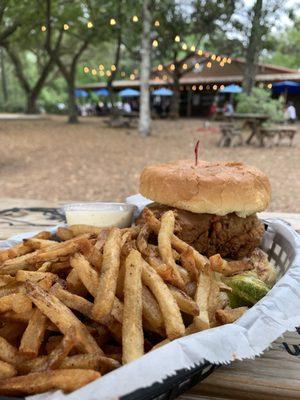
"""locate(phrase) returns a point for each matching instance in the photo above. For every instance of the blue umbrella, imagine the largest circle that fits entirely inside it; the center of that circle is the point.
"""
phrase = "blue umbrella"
(289, 87)
(162, 92)
(231, 89)
(129, 93)
(102, 92)
(81, 93)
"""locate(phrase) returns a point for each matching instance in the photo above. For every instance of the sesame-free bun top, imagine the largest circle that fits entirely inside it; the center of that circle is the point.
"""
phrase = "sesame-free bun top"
(210, 187)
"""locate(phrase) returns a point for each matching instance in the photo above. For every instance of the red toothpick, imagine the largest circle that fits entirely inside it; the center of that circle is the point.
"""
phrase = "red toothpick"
(196, 150)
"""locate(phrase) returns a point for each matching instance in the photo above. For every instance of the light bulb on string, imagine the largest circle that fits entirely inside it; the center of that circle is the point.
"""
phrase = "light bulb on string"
(199, 52)
(154, 43)
(160, 67)
(215, 87)
(86, 70)
(194, 87)
(113, 67)
(43, 28)
(101, 67)
(101, 73)
(228, 60)
(218, 59)
(193, 48)
(208, 64)
(197, 65)
(185, 66)
(66, 27)
(112, 22)
(108, 73)
(132, 77)
(184, 46)
(90, 25)
(94, 71)
(135, 18)
(177, 38)
(200, 87)
(213, 57)
(157, 23)
(172, 67)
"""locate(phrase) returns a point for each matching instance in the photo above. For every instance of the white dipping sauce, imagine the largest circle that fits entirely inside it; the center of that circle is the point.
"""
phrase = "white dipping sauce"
(100, 214)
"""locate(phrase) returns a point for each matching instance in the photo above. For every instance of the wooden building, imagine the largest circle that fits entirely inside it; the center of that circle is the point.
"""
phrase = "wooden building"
(200, 86)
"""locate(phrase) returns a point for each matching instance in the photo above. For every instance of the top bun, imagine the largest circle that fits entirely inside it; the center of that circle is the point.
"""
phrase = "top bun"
(210, 187)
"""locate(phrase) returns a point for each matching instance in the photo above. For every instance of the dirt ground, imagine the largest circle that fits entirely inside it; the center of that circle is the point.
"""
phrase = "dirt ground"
(49, 159)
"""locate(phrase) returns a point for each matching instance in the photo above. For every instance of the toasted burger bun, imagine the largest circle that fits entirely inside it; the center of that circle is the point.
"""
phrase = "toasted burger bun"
(210, 187)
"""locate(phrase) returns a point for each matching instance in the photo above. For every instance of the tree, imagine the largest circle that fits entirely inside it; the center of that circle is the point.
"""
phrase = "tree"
(8, 27)
(181, 30)
(145, 116)
(254, 47)
(285, 46)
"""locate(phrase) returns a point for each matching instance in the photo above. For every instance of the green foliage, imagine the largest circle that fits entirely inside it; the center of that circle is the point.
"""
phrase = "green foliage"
(286, 47)
(260, 102)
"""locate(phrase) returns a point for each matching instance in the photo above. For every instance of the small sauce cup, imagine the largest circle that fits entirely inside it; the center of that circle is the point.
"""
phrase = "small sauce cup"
(100, 214)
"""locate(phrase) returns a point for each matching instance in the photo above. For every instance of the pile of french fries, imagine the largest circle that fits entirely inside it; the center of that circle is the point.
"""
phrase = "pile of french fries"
(78, 305)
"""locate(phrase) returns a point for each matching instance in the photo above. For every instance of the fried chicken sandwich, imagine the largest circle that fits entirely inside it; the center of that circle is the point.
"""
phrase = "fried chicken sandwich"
(215, 203)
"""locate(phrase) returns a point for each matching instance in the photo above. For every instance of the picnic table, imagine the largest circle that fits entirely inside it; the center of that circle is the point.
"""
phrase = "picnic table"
(253, 121)
(274, 375)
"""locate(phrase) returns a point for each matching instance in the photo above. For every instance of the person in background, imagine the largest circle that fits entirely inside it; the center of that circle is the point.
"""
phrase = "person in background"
(213, 110)
(291, 112)
(127, 108)
(228, 108)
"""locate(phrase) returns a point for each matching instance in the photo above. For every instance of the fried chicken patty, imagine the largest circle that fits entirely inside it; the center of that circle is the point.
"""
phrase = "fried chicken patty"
(229, 235)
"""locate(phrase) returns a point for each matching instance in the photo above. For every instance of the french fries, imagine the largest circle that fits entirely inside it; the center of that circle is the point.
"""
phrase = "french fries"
(201, 321)
(230, 315)
(164, 244)
(169, 308)
(61, 316)
(132, 329)
(109, 275)
(228, 268)
(63, 379)
(34, 334)
(73, 310)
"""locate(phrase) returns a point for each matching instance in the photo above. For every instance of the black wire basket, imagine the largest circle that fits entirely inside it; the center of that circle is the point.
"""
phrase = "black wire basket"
(282, 254)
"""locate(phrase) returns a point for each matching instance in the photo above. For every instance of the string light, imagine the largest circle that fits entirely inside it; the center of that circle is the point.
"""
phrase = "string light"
(200, 87)
(222, 64)
(112, 22)
(86, 70)
(101, 73)
(43, 28)
(157, 23)
(135, 18)
(215, 87)
(108, 73)
(89, 25)
(184, 46)
(270, 86)
(197, 65)
(184, 66)
(135, 71)
(218, 59)
(229, 60)
(193, 48)
(208, 64)
(172, 67)
(94, 71)
(113, 67)
(213, 57)
(194, 87)
(165, 77)
(177, 38)
(66, 27)
(160, 67)
(154, 43)
(224, 60)
(101, 67)
(132, 77)
(200, 52)
(222, 87)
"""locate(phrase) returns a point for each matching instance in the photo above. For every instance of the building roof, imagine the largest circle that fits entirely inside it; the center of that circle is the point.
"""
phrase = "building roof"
(229, 73)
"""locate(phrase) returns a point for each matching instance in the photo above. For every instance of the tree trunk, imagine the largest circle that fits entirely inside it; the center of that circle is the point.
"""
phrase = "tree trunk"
(175, 100)
(145, 110)
(3, 78)
(72, 107)
(254, 47)
(31, 103)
